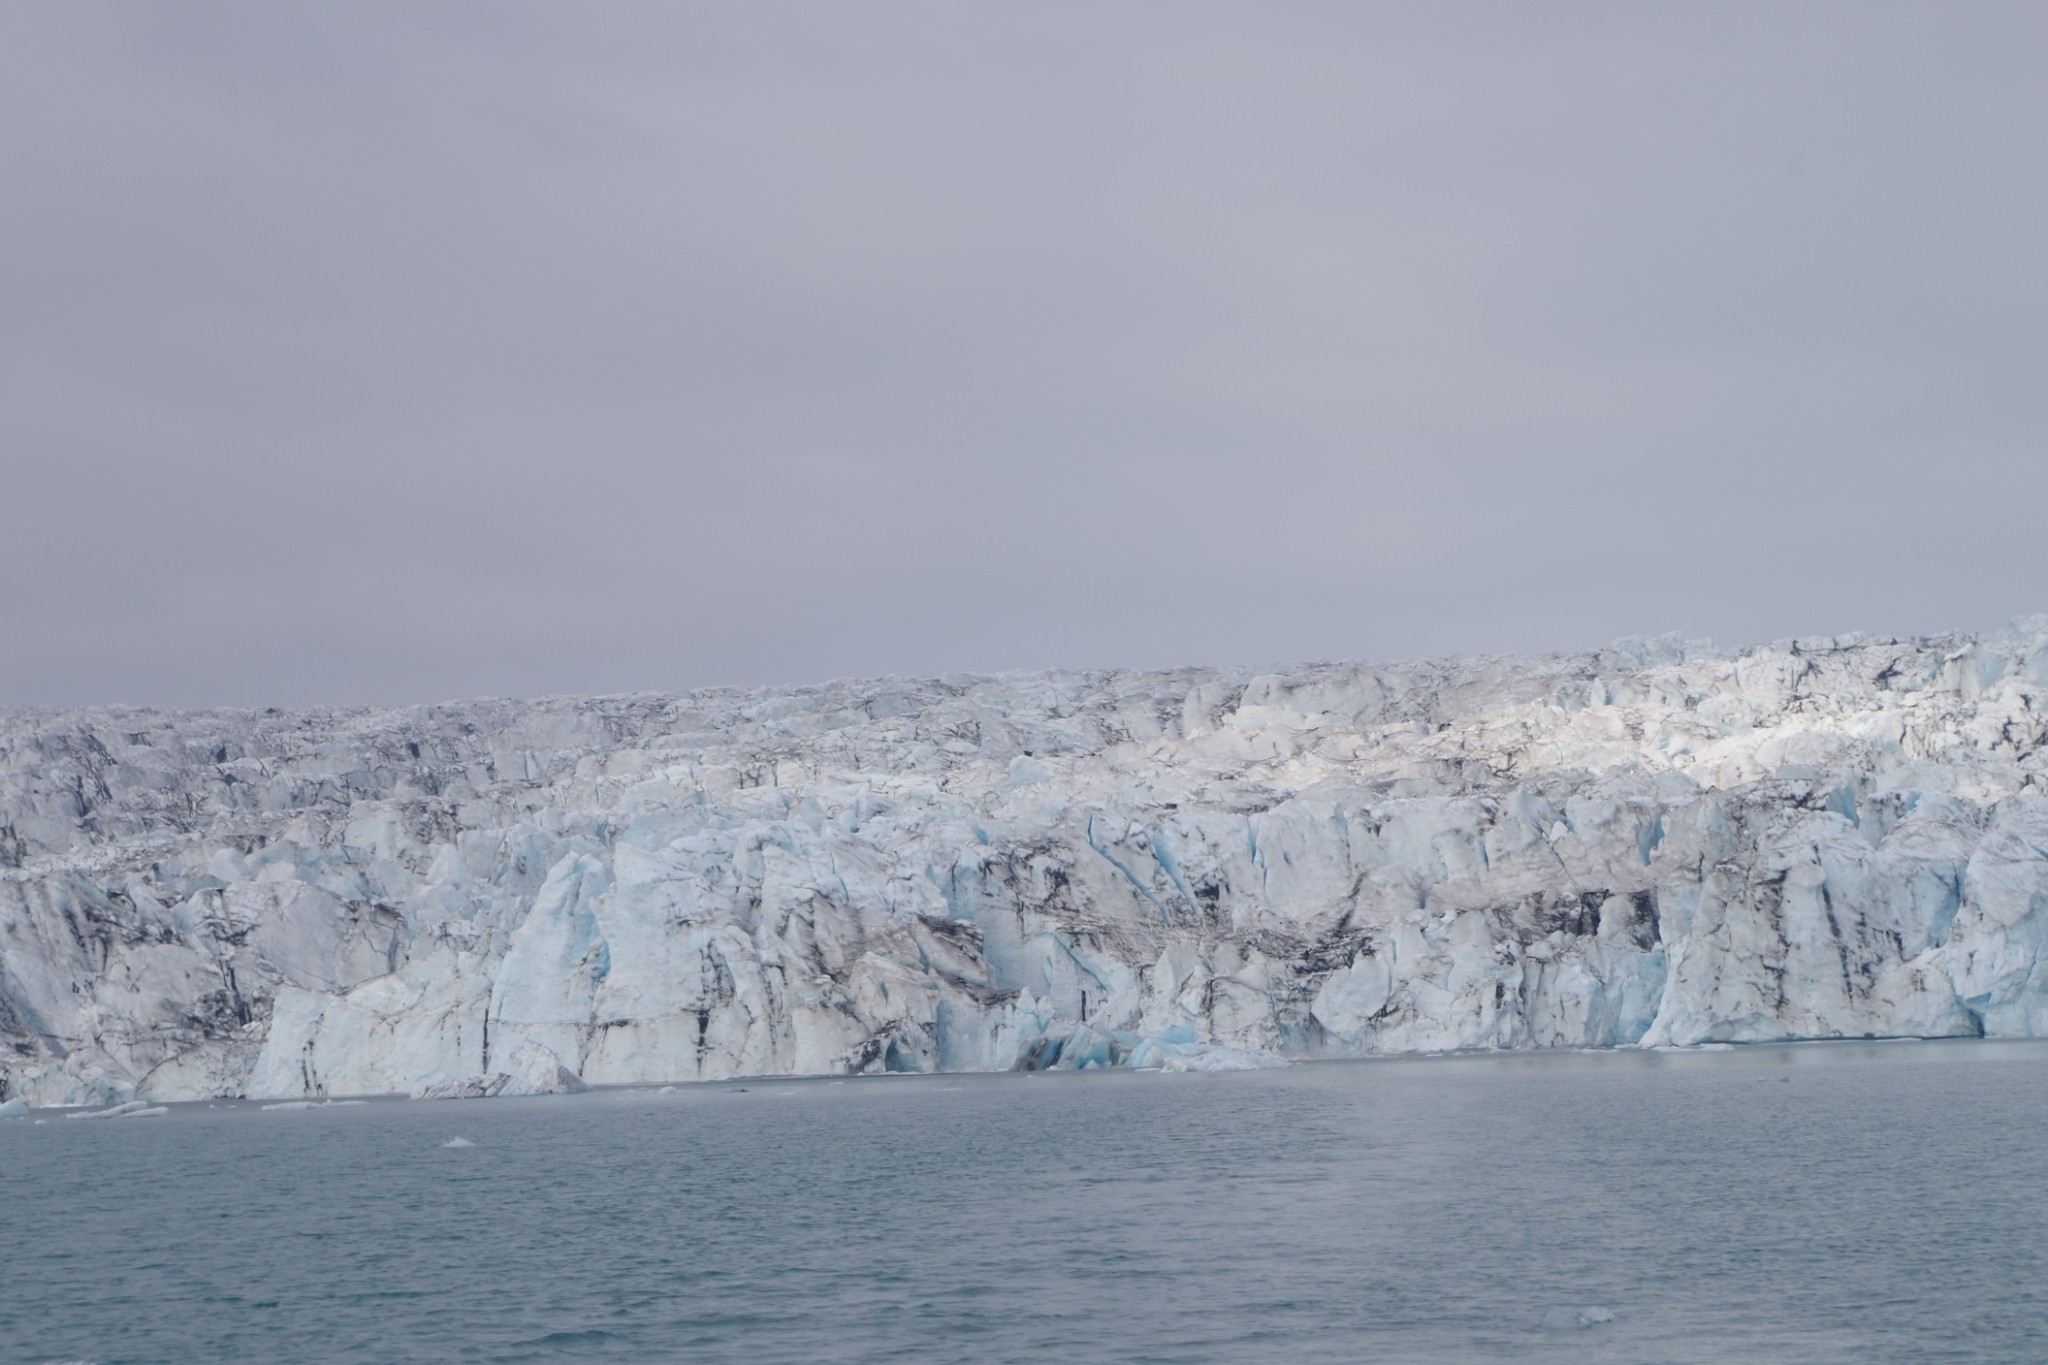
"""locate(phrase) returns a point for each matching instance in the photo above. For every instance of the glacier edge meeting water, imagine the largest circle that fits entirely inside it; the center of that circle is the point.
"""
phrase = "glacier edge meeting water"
(1655, 844)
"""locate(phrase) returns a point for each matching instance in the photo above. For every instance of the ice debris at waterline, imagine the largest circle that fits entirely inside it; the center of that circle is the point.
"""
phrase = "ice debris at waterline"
(301, 1106)
(535, 1071)
(133, 1109)
(1654, 844)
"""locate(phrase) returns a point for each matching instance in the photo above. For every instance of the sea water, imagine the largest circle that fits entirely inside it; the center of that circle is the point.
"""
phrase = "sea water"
(1841, 1202)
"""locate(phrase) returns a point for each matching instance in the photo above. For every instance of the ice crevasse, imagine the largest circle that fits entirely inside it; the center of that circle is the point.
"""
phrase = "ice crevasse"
(1657, 843)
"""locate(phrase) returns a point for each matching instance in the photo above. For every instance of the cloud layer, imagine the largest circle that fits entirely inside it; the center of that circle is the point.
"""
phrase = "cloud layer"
(405, 351)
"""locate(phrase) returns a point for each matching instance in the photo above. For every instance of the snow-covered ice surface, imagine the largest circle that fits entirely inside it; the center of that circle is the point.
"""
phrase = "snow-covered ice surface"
(1655, 844)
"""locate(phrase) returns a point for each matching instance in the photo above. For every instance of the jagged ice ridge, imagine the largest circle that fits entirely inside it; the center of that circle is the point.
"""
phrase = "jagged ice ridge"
(1654, 844)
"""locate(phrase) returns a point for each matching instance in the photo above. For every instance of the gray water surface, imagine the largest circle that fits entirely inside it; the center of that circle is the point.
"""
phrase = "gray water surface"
(1843, 1202)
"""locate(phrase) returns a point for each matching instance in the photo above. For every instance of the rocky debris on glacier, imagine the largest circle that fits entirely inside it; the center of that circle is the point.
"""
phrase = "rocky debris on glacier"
(1654, 844)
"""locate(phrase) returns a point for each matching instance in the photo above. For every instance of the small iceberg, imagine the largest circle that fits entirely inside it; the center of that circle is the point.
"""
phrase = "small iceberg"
(1575, 1319)
(458, 1142)
(119, 1111)
(289, 1105)
(13, 1109)
(481, 1086)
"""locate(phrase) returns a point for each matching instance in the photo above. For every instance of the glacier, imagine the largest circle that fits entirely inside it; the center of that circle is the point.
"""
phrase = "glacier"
(1655, 844)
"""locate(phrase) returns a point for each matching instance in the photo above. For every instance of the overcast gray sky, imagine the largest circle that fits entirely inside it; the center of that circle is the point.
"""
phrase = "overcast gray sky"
(392, 352)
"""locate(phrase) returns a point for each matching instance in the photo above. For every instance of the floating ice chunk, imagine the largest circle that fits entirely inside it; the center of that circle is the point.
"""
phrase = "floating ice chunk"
(118, 1111)
(537, 1071)
(481, 1086)
(13, 1109)
(308, 1104)
(666, 1090)
(458, 1142)
(146, 1112)
(1575, 1319)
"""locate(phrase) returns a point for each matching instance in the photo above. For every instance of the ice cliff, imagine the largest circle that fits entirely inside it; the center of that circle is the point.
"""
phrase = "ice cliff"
(1653, 844)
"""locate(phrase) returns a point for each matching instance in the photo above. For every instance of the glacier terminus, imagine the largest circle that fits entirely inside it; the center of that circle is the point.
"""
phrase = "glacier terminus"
(1655, 844)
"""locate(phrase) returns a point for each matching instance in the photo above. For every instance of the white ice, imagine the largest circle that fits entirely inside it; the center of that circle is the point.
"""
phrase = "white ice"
(1656, 844)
